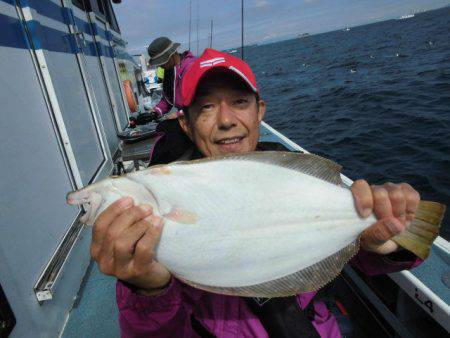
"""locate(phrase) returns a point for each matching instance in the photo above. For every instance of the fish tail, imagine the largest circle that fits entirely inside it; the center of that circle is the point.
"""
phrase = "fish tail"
(423, 230)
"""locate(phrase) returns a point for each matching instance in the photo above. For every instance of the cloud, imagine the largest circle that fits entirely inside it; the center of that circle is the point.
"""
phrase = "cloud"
(261, 4)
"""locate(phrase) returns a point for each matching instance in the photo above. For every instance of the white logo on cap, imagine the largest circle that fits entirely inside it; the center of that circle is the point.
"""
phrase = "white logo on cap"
(211, 62)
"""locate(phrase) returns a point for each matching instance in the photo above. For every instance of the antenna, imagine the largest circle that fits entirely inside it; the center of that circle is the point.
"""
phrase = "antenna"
(242, 29)
(211, 35)
(197, 27)
(190, 20)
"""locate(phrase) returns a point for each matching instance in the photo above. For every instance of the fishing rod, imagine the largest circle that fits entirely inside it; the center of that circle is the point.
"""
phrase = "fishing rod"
(242, 29)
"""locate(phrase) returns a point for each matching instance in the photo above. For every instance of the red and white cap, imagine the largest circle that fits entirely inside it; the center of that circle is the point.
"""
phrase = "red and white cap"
(211, 59)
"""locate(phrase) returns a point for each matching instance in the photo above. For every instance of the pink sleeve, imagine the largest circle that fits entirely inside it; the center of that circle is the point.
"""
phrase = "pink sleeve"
(163, 106)
(374, 264)
(164, 315)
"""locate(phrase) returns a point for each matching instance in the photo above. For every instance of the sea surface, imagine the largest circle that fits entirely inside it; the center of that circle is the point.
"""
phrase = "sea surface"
(375, 99)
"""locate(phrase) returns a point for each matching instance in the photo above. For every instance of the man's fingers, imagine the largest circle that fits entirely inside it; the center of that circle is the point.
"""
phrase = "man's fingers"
(144, 249)
(104, 220)
(377, 237)
(363, 197)
(121, 223)
(114, 210)
(126, 220)
(382, 204)
(398, 200)
(124, 247)
(382, 249)
(144, 256)
(412, 200)
(381, 231)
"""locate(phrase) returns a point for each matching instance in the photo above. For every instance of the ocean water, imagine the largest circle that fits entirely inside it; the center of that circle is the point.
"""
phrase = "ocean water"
(375, 99)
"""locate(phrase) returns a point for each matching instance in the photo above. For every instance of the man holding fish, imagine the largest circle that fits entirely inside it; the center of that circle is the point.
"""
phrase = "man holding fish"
(222, 114)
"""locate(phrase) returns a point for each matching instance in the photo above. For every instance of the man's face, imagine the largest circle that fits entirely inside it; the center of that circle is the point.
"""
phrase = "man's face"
(224, 117)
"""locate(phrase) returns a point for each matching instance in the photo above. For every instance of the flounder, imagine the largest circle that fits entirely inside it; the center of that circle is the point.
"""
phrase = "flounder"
(261, 224)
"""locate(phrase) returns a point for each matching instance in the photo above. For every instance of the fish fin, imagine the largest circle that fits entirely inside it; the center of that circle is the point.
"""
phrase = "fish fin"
(312, 278)
(309, 164)
(181, 216)
(423, 230)
(160, 170)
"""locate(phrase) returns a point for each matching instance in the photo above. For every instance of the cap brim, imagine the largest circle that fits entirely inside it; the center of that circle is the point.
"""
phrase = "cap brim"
(226, 69)
(165, 57)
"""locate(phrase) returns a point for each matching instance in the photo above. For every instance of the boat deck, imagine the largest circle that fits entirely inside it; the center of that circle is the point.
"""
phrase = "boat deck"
(95, 311)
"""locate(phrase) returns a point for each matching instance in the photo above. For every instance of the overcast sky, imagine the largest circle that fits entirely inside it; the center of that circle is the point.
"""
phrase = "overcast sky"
(265, 20)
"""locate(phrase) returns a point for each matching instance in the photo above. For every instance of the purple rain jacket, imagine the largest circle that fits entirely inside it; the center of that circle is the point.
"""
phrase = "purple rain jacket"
(168, 314)
(166, 103)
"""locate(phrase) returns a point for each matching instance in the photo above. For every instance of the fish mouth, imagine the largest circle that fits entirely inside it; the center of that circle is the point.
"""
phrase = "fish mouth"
(90, 201)
(78, 197)
(91, 207)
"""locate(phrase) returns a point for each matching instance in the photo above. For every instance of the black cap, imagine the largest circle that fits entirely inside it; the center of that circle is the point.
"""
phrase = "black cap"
(160, 51)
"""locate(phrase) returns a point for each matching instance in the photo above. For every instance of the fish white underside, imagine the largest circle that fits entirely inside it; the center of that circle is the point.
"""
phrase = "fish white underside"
(261, 224)
(255, 222)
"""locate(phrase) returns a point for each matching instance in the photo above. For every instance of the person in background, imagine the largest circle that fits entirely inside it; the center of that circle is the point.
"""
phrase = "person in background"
(163, 53)
(222, 115)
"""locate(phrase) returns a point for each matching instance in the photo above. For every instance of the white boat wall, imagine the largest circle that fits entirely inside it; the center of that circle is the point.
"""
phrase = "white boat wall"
(63, 102)
(62, 66)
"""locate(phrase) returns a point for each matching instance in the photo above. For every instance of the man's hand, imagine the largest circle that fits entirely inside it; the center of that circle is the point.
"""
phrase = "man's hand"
(123, 241)
(394, 206)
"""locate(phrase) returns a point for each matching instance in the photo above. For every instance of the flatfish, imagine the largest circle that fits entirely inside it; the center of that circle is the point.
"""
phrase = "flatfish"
(260, 224)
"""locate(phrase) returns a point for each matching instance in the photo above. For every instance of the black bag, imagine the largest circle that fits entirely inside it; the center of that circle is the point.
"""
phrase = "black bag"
(283, 317)
(172, 143)
(145, 118)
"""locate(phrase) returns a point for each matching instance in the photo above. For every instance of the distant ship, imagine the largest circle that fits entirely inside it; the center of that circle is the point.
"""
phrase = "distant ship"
(303, 35)
(406, 16)
(232, 51)
(346, 29)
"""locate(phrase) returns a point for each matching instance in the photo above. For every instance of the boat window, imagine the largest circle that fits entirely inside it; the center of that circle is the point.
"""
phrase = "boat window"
(111, 17)
(98, 7)
(104, 9)
(85, 5)
(101, 6)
